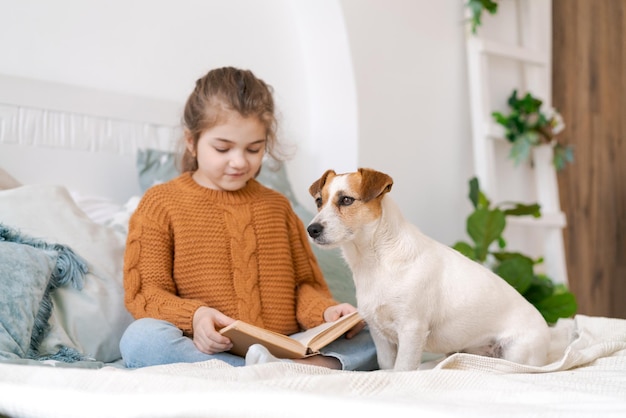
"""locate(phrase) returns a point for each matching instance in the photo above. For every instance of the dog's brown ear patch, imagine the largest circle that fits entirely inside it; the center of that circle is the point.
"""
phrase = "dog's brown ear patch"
(374, 183)
(317, 186)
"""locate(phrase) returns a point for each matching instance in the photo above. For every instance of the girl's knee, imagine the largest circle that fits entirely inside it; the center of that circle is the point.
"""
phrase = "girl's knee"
(141, 335)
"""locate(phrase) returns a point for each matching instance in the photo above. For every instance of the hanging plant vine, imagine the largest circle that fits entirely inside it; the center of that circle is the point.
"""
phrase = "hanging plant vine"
(477, 7)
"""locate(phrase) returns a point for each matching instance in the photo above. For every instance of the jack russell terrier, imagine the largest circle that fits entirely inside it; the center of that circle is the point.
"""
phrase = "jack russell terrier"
(415, 293)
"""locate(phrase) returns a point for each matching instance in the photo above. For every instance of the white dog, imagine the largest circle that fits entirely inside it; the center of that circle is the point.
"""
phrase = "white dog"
(415, 293)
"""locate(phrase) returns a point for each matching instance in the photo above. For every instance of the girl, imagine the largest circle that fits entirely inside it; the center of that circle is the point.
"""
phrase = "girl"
(214, 245)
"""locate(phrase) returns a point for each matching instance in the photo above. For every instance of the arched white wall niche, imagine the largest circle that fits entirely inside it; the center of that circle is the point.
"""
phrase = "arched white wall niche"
(332, 136)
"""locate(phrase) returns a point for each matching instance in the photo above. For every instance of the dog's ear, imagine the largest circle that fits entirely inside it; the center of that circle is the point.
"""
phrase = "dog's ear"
(319, 183)
(374, 184)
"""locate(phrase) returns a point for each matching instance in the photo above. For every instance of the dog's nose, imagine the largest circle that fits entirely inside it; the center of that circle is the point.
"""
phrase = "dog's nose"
(315, 230)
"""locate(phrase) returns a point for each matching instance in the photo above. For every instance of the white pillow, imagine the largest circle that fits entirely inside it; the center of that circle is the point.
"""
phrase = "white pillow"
(7, 181)
(99, 209)
(93, 319)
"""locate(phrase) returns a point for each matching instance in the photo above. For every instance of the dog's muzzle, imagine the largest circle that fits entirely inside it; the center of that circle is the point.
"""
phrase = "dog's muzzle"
(315, 230)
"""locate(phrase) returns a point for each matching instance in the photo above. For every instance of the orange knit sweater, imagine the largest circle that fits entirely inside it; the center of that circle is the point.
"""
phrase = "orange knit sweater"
(244, 253)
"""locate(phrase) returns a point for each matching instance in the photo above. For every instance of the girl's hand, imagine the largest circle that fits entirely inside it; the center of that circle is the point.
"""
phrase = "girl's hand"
(206, 338)
(333, 313)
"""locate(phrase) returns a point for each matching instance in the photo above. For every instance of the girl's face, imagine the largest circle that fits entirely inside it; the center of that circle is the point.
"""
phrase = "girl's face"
(230, 153)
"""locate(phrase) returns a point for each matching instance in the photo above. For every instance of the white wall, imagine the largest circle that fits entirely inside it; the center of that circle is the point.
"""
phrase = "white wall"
(378, 83)
(409, 61)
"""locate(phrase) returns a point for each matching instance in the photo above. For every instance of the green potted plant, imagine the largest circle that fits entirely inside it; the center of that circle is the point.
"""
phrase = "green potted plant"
(485, 226)
(527, 125)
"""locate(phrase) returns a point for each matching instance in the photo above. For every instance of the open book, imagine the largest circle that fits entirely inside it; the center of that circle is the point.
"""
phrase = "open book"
(299, 345)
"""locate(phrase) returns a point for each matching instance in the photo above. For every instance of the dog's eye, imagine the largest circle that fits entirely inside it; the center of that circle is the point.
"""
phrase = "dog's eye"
(318, 202)
(346, 201)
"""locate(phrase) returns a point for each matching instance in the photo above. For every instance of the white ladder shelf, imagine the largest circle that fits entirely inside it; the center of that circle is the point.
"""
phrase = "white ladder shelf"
(532, 57)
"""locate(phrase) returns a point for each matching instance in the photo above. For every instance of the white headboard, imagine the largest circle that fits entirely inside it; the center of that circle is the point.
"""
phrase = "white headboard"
(82, 138)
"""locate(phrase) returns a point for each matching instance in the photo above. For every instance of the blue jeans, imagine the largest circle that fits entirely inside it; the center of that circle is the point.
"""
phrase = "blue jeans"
(150, 342)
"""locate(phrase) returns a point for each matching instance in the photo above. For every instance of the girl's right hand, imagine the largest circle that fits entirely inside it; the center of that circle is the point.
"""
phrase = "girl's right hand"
(206, 338)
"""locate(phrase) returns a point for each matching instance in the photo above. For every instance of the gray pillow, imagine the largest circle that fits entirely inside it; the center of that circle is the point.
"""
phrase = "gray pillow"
(154, 167)
(30, 271)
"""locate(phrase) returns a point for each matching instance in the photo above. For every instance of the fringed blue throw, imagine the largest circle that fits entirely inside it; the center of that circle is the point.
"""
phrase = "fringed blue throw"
(30, 270)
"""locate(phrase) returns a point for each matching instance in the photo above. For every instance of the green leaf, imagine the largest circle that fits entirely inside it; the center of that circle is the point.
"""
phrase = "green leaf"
(478, 199)
(484, 226)
(483, 202)
(504, 255)
(559, 305)
(560, 288)
(476, 7)
(562, 156)
(529, 104)
(517, 271)
(500, 118)
(474, 191)
(465, 249)
(520, 150)
(490, 5)
(540, 288)
(524, 210)
(512, 100)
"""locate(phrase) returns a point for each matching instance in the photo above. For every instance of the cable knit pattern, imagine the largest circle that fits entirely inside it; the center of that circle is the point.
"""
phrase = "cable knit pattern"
(245, 270)
(245, 253)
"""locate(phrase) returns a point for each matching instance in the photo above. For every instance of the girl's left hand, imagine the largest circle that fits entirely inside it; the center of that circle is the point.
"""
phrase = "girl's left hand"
(333, 313)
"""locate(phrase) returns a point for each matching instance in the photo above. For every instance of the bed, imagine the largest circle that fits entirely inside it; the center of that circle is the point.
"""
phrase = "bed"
(73, 165)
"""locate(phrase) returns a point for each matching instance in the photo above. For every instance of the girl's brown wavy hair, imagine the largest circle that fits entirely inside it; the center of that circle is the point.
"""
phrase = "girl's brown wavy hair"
(227, 89)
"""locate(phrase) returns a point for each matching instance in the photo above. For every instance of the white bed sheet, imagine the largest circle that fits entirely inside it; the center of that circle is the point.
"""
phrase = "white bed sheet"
(588, 379)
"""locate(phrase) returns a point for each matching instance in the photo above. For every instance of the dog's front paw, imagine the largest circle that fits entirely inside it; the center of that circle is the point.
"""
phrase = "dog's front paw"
(405, 367)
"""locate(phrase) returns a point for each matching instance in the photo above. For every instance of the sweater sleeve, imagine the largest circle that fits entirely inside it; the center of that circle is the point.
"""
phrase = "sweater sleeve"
(313, 296)
(149, 287)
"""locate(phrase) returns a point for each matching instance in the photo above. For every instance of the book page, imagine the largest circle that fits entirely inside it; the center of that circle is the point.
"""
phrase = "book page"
(321, 335)
(304, 337)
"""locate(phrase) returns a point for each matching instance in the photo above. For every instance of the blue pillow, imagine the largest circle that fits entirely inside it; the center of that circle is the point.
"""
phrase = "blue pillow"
(155, 167)
(29, 271)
